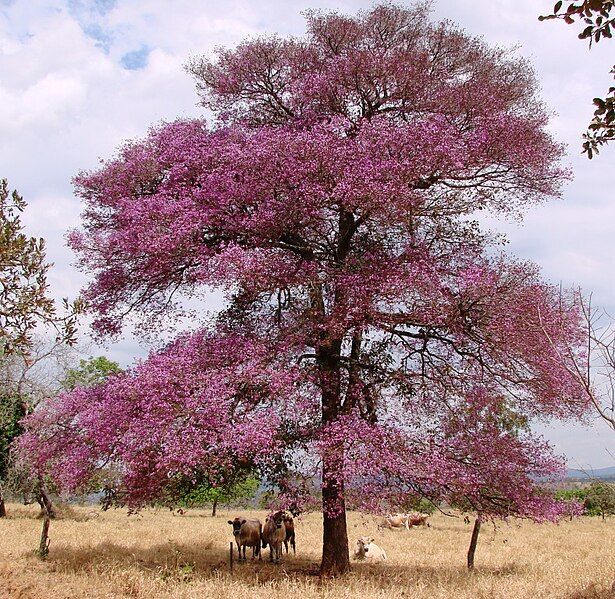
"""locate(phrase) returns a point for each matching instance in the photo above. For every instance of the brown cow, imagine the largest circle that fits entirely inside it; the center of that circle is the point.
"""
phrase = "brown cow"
(274, 534)
(247, 533)
(417, 519)
(289, 524)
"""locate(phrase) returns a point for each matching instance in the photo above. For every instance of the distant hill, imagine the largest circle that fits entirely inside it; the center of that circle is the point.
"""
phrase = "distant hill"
(602, 473)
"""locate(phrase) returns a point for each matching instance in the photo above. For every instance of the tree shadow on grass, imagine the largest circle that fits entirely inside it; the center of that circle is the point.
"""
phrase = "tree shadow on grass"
(206, 561)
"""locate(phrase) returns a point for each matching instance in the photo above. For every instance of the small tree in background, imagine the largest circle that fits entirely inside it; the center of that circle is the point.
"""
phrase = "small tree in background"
(90, 372)
(12, 410)
(28, 380)
(417, 503)
(600, 499)
(239, 488)
(25, 380)
(502, 462)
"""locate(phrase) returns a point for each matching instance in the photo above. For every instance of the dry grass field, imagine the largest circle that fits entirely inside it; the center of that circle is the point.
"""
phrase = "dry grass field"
(159, 554)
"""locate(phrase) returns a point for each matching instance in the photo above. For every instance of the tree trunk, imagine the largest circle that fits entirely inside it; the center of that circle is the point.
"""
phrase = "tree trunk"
(2, 506)
(46, 506)
(335, 557)
(45, 503)
(473, 542)
(214, 507)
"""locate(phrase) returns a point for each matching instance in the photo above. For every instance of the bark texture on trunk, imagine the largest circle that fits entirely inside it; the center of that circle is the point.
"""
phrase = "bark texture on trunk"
(473, 542)
(335, 554)
(48, 513)
(335, 557)
(46, 504)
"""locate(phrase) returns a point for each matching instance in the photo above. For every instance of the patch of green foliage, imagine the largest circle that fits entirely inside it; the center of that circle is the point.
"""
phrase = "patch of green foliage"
(12, 410)
(416, 503)
(90, 372)
(598, 498)
(239, 489)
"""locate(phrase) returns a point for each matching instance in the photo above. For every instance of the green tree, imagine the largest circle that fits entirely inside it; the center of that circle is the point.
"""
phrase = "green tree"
(24, 300)
(90, 372)
(595, 15)
(12, 410)
(600, 499)
(237, 489)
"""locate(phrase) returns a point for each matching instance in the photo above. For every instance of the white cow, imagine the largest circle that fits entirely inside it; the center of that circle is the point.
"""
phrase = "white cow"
(368, 551)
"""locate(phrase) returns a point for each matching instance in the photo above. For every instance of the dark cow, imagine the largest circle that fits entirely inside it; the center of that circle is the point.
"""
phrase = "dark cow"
(289, 524)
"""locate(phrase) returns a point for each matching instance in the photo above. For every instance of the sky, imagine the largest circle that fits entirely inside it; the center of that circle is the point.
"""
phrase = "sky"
(79, 77)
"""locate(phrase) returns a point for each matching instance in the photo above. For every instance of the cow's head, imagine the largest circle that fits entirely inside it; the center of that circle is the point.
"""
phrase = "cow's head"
(236, 524)
(363, 544)
(278, 519)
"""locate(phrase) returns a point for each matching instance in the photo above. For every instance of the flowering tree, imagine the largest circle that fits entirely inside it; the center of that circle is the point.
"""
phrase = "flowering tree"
(374, 336)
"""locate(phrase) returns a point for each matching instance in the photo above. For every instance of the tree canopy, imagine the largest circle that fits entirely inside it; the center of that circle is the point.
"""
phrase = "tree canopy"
(374, 337)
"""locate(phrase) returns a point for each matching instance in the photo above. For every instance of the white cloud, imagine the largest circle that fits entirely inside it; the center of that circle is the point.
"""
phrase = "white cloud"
(66, 100)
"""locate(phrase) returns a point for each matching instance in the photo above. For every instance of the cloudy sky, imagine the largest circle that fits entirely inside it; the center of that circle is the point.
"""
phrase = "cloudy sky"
(77, 77)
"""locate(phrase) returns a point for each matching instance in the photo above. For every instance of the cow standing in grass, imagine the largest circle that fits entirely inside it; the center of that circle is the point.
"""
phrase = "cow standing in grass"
(289, 524)
(274, 534)
(247, 533)
(394, 521)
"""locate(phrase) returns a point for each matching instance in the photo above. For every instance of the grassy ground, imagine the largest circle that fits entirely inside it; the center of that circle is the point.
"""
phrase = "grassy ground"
(158, 554)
